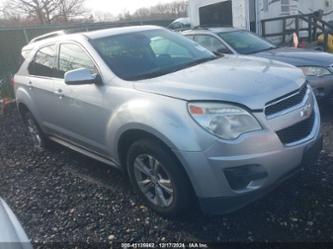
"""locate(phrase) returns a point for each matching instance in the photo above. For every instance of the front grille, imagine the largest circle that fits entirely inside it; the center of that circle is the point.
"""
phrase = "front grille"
(285, 102)
(297, 132)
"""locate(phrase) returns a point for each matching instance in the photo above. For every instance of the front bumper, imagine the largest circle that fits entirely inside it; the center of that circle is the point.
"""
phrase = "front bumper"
(260, 150)
(322, 86)
(223, 205)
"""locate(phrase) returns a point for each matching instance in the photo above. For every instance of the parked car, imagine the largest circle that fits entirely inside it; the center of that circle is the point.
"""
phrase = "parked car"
(183, 123)
(316, 65)
(12, 233)
(180, 24)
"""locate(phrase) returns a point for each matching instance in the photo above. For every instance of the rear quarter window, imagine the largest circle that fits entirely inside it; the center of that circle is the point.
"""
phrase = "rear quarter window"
(43, 63)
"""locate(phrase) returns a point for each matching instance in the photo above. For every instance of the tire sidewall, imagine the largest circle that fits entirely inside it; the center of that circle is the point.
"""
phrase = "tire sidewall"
(179, 181)
(28, 115)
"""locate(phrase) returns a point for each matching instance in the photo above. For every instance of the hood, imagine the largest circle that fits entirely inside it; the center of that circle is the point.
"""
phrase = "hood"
(244, 80)
(298, 57)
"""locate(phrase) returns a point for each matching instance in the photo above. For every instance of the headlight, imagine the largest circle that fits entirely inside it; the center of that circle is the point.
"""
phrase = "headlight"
(223, 120)
(315, 71)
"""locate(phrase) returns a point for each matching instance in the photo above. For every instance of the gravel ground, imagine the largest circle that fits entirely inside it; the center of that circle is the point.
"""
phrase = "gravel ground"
(62, 196)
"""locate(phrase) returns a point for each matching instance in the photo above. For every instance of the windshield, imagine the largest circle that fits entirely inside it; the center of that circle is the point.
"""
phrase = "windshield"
(149, 54)
(245, 42)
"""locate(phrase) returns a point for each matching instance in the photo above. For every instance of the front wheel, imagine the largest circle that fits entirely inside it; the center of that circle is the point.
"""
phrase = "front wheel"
(159, 178)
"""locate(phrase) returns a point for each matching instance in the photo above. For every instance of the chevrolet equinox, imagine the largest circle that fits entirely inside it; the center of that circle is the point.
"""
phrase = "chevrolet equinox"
(186, 126)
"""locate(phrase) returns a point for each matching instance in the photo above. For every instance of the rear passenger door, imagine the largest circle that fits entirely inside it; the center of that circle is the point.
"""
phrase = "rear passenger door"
(41, 84)
(82, 117)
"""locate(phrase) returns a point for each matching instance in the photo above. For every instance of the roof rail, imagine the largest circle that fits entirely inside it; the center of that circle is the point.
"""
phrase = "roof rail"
(70, 30)
(206, 27)
(48, 35)
(199, 27)
(62, 32)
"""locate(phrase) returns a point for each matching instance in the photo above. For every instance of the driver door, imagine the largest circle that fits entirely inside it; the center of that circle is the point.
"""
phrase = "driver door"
(82, 117)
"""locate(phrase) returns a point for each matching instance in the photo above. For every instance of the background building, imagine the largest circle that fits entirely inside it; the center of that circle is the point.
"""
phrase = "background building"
(247, 14)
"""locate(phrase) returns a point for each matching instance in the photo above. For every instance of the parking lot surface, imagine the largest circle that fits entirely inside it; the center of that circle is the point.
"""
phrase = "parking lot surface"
(62, 196)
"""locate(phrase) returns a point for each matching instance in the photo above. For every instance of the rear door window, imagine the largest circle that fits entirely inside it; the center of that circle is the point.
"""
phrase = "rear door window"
(43, 63)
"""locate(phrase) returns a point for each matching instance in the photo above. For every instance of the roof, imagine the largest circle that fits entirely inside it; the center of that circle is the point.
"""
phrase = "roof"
(212, 29)
(61, 34)
(183, 20)
(117, 31)
(223, 29)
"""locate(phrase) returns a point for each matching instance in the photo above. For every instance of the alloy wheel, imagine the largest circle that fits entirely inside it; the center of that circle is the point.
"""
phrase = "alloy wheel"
(153, 180)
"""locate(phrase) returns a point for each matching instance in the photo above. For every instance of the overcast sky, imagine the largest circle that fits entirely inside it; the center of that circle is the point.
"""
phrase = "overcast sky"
(116, 7)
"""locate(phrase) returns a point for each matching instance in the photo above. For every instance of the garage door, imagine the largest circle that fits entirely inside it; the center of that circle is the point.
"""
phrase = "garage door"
(216, 14)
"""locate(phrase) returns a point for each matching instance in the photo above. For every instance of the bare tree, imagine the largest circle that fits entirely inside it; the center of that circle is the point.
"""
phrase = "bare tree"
(45, 11)
(169, 10)
(104, 16)
(69, 9)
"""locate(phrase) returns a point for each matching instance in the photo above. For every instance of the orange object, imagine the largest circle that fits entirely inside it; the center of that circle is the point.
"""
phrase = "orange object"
(5, 101)
(196, 110)
(295, 40)
(321, 39)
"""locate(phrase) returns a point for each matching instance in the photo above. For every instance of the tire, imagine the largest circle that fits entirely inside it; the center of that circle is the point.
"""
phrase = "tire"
(36, 135)
(167, 176)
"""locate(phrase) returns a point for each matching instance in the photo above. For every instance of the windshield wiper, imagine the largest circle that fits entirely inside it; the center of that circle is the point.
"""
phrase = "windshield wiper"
(149, 75)
(263, 50)
(197, 62)
(159, 72)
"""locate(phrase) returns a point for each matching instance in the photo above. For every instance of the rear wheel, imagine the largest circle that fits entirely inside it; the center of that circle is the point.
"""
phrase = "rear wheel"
(159, 178)
(36, 135)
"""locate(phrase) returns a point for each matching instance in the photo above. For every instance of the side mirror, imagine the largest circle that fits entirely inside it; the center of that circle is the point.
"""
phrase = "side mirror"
(81, 76)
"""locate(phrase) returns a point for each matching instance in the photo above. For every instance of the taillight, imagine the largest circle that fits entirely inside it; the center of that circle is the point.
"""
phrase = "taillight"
(12, 82)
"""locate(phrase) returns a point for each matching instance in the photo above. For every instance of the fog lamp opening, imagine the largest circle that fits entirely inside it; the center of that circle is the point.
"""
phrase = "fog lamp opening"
(240, 177)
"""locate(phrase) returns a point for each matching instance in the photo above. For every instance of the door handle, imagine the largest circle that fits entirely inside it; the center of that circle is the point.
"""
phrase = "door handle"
(59, 93)
(30, 85)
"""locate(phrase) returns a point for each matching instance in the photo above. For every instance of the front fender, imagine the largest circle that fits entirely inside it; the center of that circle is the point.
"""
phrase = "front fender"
(163, 117)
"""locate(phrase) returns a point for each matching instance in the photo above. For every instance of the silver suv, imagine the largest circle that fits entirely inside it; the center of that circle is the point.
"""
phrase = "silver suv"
(185, 125)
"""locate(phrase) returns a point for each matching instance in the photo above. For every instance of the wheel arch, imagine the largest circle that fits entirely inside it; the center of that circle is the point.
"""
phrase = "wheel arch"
(22, 108)
(24, 102)
(130, 136)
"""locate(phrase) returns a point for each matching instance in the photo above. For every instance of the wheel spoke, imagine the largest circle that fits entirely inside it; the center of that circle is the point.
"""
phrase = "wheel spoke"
(153, 180)
(152, 164)
(138, 164)
(160, 196)
(166, 185)
(156, 167)
(146, 185)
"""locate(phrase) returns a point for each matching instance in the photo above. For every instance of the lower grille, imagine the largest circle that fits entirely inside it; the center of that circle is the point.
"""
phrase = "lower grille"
(297, 132)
